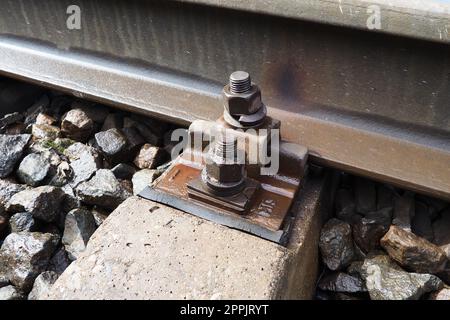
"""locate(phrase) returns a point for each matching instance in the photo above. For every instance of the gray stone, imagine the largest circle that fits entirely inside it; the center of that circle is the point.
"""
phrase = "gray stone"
(113, 144)
(53, 157)
(33, 169)
(127, 185)
(342, 282)
(10, 118)
(384, 282)
(77, 125)
(25, 255)
(59, 262)
(421, 223)
(10, 293)
(11, 149)
(103, 189)
(85, 166)
(45, 131)
(113, 120)
(368, 230)
(441, 231)
(64, 174)
(77, 149)
(39, 106)
(8, 188)
(123, 171)
(70, 200)
(404, 211)
(79, 227)
(99, 215)
(365, 195)
(141, 179)
(412, 252)
(42, 285)
(149, 157)
(345, 205)
(43, 203)
(22, 221)
(336, 244)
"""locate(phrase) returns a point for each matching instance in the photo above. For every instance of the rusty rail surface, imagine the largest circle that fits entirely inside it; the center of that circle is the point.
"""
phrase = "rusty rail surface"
(372, 103)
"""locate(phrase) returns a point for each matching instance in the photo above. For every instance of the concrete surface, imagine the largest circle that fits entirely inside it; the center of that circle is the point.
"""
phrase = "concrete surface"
(145, 250)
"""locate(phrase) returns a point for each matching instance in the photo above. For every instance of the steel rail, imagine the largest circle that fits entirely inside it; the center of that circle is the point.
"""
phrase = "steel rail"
(421, 19)
(372, 104)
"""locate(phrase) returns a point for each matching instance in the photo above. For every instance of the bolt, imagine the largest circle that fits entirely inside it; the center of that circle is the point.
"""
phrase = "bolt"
(243, 106)
(225, 146)
(223, 174)
(240, 82)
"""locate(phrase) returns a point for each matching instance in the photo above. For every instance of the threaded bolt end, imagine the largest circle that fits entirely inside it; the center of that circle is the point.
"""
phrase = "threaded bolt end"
(226, 146)
(240, 82)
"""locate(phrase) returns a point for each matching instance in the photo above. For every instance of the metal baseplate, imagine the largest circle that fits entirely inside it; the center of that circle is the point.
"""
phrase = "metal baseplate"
(262, 208)
(236, 171)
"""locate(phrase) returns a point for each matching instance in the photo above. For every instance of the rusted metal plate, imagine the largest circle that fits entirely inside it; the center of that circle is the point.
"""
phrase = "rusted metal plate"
(268, 208)
(372, 104)
(253, 200)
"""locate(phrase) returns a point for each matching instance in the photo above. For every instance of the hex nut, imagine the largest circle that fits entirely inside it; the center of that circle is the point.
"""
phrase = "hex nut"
(224, 173)
(242, 103)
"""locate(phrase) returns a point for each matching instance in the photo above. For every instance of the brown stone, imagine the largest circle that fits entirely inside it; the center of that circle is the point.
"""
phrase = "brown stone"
(77, 125)
(368, 231)
(412, 252)
(149, 157)
(342, 282)
(43, 118)
(16, 128)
